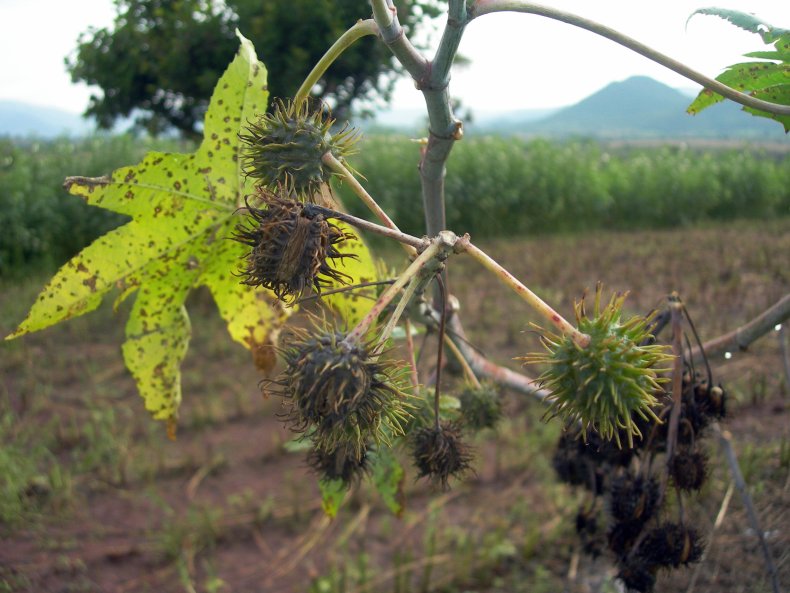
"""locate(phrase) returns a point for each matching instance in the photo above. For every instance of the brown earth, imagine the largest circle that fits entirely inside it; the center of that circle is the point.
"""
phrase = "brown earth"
(96, 498)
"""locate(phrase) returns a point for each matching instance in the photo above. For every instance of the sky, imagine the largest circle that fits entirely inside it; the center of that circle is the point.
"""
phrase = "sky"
(519, 61)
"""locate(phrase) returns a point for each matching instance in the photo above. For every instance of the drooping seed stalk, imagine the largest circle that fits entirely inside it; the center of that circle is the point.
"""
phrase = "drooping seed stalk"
(359, 30)
(405, 299)
(533, 300)
(440, 351)
(333, 163)
(468, 372)
(356, 334)
(676, 310)
(413, 374)
(366, 225)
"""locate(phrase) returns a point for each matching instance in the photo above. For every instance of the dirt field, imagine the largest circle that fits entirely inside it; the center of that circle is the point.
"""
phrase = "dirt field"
(95, 498)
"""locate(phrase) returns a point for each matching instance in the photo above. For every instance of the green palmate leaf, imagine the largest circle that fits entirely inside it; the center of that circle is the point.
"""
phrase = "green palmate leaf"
(183, 215)
(764, 80)
(388, 476)
(333, 492)
(747, 21)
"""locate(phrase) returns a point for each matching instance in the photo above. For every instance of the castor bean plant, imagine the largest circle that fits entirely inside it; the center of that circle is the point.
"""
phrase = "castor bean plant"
(251, 215)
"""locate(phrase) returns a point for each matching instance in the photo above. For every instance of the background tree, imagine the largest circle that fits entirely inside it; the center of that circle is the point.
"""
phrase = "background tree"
(160, 60)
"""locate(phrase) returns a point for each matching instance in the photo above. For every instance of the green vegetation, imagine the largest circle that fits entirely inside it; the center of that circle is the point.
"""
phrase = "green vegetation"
(511, 187)
(41, 223)
(495, 187)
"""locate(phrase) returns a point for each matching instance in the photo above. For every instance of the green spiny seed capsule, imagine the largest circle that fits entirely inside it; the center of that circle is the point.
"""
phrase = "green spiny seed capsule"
(342, 393)
(286, 147)
(291, 247)
(441, 453)
(481, 407)
(602, 386)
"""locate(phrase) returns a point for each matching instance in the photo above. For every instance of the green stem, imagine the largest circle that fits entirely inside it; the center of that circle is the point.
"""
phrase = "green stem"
(533, 300)
(356, 334)
(405, 299)
(359, 30)
(481, 7)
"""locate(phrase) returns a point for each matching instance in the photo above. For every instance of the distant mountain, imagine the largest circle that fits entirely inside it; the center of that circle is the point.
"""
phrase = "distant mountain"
(640, 107)
(23, 119)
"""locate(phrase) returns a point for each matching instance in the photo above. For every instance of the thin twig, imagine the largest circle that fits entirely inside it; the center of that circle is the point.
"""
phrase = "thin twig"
(325, 293)
(404, 301)
(740, 338)
(366, 225)
(725, 440)
(468, 372)
(386, 298)
(716, 524)
(412, 359)
(496, 373)
(533, 300)
(782, 335)
(440, 352)
(676, 308)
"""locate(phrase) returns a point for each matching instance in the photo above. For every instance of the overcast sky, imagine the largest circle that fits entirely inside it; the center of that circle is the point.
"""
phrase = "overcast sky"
(518, 61)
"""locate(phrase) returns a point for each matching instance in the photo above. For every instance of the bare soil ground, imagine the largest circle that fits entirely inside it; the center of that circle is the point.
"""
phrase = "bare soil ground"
(95, 498)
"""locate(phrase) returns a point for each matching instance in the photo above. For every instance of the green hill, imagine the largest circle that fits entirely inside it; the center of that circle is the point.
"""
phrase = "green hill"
(640, 107)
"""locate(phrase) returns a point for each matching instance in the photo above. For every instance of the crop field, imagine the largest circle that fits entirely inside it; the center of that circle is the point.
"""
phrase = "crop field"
(496, 187)
(95, 498)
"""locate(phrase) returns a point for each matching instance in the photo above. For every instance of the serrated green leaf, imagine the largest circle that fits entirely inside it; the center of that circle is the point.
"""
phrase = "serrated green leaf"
(775, 94)
(388, 476)
(333, 492)
(183, 214)
(747, 77)
(763, 80)
(747, 21)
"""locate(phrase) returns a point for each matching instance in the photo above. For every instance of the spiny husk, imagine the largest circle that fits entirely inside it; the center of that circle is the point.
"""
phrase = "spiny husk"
(672, 544)
(345, 462)
(605, 385)
(292, 247)
(441, 453)
(633, 499)
(638, 575)
(342, 393)
(481, 407)
(689, 469)
(285, 147)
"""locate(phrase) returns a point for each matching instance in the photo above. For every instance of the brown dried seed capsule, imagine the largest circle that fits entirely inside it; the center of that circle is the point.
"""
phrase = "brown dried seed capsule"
(638, 575)
(672, 544)
(689, 470)
(588, 528)
(440, 454)
(344, 462)
(291, 247)
(342, 392)
(633, 499)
